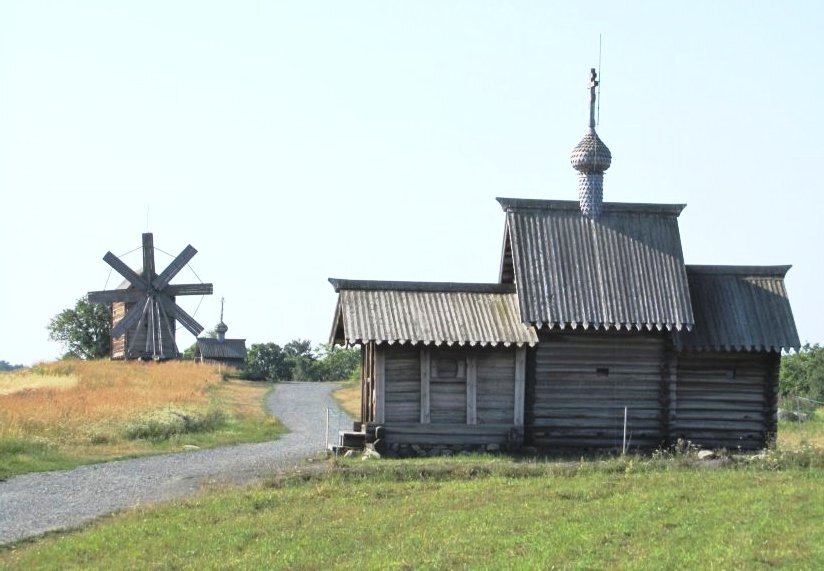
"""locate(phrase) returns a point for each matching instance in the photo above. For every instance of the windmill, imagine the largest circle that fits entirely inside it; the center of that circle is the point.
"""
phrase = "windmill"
(144, 313)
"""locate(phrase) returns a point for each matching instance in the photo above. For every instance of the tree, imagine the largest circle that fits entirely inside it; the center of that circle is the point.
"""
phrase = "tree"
(340, 363)
(83, 330)
(267, 361)
(302, 361)
(299, 361)
(6, 366)
(802, 373)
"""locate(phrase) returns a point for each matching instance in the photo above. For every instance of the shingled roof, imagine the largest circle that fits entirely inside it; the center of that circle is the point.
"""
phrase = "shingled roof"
(624, 269)
(739, 308)
(428, 313)
(227, 349)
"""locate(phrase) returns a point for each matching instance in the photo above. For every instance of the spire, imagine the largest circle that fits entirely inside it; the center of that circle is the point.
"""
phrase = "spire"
(591, 158)
(221, 327)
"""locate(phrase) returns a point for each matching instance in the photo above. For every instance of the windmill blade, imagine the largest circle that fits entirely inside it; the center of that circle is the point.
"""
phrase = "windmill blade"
(189, 289)
(171, 271)
(114, 295)
(130, 351)
(170, 329)
(148, 257)
(184, 318)
(131, 276)
(151, 343)
(133, 315)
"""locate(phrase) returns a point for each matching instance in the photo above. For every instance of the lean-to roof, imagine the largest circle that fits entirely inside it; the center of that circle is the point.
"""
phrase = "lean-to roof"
(739, 308)
(428, 313)
(624, 269)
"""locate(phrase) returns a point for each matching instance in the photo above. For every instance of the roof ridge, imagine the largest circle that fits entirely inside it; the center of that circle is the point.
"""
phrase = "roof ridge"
(512, 204)
(379, 285)
(775, 271)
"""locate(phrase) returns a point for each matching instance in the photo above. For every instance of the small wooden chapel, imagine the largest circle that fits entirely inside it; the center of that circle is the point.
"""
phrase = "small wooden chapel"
(597, 331)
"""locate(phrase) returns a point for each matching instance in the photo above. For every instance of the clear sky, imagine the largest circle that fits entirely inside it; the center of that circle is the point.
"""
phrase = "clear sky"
(294, 141)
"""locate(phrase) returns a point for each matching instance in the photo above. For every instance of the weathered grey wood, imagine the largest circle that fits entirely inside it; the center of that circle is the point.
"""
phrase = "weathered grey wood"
(143, 315)
(520, 385)
(582, 382)
(115, 295)
(129, 274)
(671, 395)
(723, 399)
(148, 257)
(425, 380)
(458, 434)
(169, 325)
(189, 289)
(380, 385)
(174, 267)
(132, 316)
(472, 389)
(184, 318)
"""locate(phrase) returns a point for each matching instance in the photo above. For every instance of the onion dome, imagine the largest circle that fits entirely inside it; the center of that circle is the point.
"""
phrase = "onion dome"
(221, 328)
(591, 157)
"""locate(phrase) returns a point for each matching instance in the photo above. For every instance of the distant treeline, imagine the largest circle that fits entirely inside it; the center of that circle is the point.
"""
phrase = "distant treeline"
(6, 366)
(299, 361)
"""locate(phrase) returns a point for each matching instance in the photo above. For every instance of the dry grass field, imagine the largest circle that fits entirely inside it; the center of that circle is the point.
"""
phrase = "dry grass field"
(349, 397)
(69, 412)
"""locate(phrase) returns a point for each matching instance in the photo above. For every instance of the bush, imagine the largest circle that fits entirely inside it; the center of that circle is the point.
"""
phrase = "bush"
(163, 424)
(802, 373)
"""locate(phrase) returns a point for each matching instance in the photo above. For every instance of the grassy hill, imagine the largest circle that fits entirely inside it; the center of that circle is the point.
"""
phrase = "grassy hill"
(59, 415)
(660, 512)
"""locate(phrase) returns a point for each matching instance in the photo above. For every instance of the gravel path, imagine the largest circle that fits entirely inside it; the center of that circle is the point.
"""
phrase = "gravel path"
(33, 504)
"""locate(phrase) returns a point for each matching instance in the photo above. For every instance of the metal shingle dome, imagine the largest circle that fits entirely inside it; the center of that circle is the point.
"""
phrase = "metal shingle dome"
(591, 155)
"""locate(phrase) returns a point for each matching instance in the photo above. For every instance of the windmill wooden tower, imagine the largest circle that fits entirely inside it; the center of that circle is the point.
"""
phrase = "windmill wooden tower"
(144, 310)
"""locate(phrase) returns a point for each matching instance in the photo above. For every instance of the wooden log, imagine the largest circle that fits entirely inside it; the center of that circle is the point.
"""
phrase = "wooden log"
(520, 386)
(471, 389)
(380, 385)
(425, 368)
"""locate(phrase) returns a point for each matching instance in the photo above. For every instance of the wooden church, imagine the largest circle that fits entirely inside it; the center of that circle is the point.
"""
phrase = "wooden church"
(596, 332)
(220, 350)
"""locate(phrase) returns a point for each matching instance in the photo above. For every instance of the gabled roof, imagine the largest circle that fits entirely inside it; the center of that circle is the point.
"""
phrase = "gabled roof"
(428, 313)
(624, 269)
(211, 348)
(739, 308)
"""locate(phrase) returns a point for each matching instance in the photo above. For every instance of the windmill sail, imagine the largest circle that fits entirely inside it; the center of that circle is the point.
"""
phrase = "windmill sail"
(144, 313)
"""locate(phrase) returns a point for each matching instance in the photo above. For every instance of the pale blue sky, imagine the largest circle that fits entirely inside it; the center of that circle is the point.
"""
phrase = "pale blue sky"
(290, 142)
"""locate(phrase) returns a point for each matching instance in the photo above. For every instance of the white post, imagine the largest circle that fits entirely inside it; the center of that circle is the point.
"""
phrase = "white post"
(624, 446)
(327, 428)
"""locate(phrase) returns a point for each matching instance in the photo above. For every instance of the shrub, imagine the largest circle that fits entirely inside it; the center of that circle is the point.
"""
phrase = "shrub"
(802, 373)
(163, 424)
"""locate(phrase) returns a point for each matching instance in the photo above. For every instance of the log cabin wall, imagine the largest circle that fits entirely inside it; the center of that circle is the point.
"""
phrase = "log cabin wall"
(119, 343)
(496, 386)
(463, 397)
(726, 399)
(402, 384)
(578, 384)
(368, 382)
(132, 344)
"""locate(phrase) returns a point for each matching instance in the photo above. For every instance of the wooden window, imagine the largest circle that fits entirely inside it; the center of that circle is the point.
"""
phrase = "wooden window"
(448, 368)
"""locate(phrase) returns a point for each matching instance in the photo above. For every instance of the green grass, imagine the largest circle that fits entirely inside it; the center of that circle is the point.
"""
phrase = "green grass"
(475, 512)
